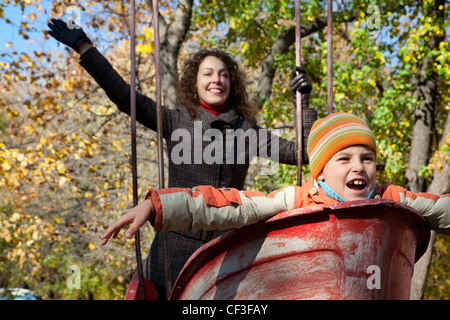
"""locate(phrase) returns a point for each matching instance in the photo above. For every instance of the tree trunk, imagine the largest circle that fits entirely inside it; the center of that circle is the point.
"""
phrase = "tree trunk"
(423, 127)
(420, 276)
(281, 45)
(424, 114)
(440, 185)
(421, 142)
(172, 37)
(441, 176)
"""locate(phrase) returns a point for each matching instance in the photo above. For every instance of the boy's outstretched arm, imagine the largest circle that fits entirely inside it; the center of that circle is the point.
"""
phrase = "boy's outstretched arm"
(137, 217)
(435, 209)
(208, 208)
(202, 207)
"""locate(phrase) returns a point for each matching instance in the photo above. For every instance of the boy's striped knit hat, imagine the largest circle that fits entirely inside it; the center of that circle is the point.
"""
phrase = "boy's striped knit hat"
(334, 133)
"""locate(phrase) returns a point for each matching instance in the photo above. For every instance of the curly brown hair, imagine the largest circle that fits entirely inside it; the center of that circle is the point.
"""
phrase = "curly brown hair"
(238, 94)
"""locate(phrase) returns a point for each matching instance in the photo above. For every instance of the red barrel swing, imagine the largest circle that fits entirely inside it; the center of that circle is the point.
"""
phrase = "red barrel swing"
(352, 250)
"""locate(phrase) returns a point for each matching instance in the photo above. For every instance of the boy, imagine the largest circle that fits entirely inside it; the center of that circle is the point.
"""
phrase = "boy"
(342, 152)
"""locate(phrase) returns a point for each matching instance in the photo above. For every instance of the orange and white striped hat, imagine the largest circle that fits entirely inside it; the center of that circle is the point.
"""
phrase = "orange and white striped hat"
(334, 133)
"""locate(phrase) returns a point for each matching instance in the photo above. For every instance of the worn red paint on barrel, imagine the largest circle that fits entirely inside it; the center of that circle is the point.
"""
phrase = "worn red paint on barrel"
(311, 253)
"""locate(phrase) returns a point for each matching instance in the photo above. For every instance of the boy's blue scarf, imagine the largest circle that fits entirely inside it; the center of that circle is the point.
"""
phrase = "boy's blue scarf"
(330, 192)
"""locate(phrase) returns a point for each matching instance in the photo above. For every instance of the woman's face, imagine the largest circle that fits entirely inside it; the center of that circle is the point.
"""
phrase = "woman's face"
(213, 82)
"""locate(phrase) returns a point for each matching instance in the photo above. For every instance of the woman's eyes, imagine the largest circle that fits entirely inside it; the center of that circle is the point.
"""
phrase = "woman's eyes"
(225, 75)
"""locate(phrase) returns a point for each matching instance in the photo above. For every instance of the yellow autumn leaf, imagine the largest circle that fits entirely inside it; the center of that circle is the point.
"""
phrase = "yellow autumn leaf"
(245, 47)
(56, 220)
(148, 33)
(60, 167)
(91, 246)
(6, 166)
(447, 140)
(145, 48)
(14, 217)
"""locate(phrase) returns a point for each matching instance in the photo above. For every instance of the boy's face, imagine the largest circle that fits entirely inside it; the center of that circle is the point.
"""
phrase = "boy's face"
(351, 172)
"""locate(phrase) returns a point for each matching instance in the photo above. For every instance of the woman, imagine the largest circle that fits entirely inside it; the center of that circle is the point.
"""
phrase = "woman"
(207, 133)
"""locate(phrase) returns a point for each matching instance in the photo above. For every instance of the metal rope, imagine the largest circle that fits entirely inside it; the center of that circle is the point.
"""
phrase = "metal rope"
(298, 56)
(330, 56)
(298, 62)
(133, 141)
(168, 282)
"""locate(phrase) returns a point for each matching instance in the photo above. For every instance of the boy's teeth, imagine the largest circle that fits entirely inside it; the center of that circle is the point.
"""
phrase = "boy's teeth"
(357, 184)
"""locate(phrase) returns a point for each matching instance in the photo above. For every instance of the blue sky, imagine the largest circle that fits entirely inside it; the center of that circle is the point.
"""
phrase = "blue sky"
(10, 31)
(36, 42)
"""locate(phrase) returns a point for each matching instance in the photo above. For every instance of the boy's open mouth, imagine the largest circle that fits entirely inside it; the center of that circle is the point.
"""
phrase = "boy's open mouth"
(357, 184)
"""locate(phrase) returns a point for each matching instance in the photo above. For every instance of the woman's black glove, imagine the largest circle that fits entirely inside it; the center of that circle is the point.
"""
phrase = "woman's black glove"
(301, 83)
(70, 37)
